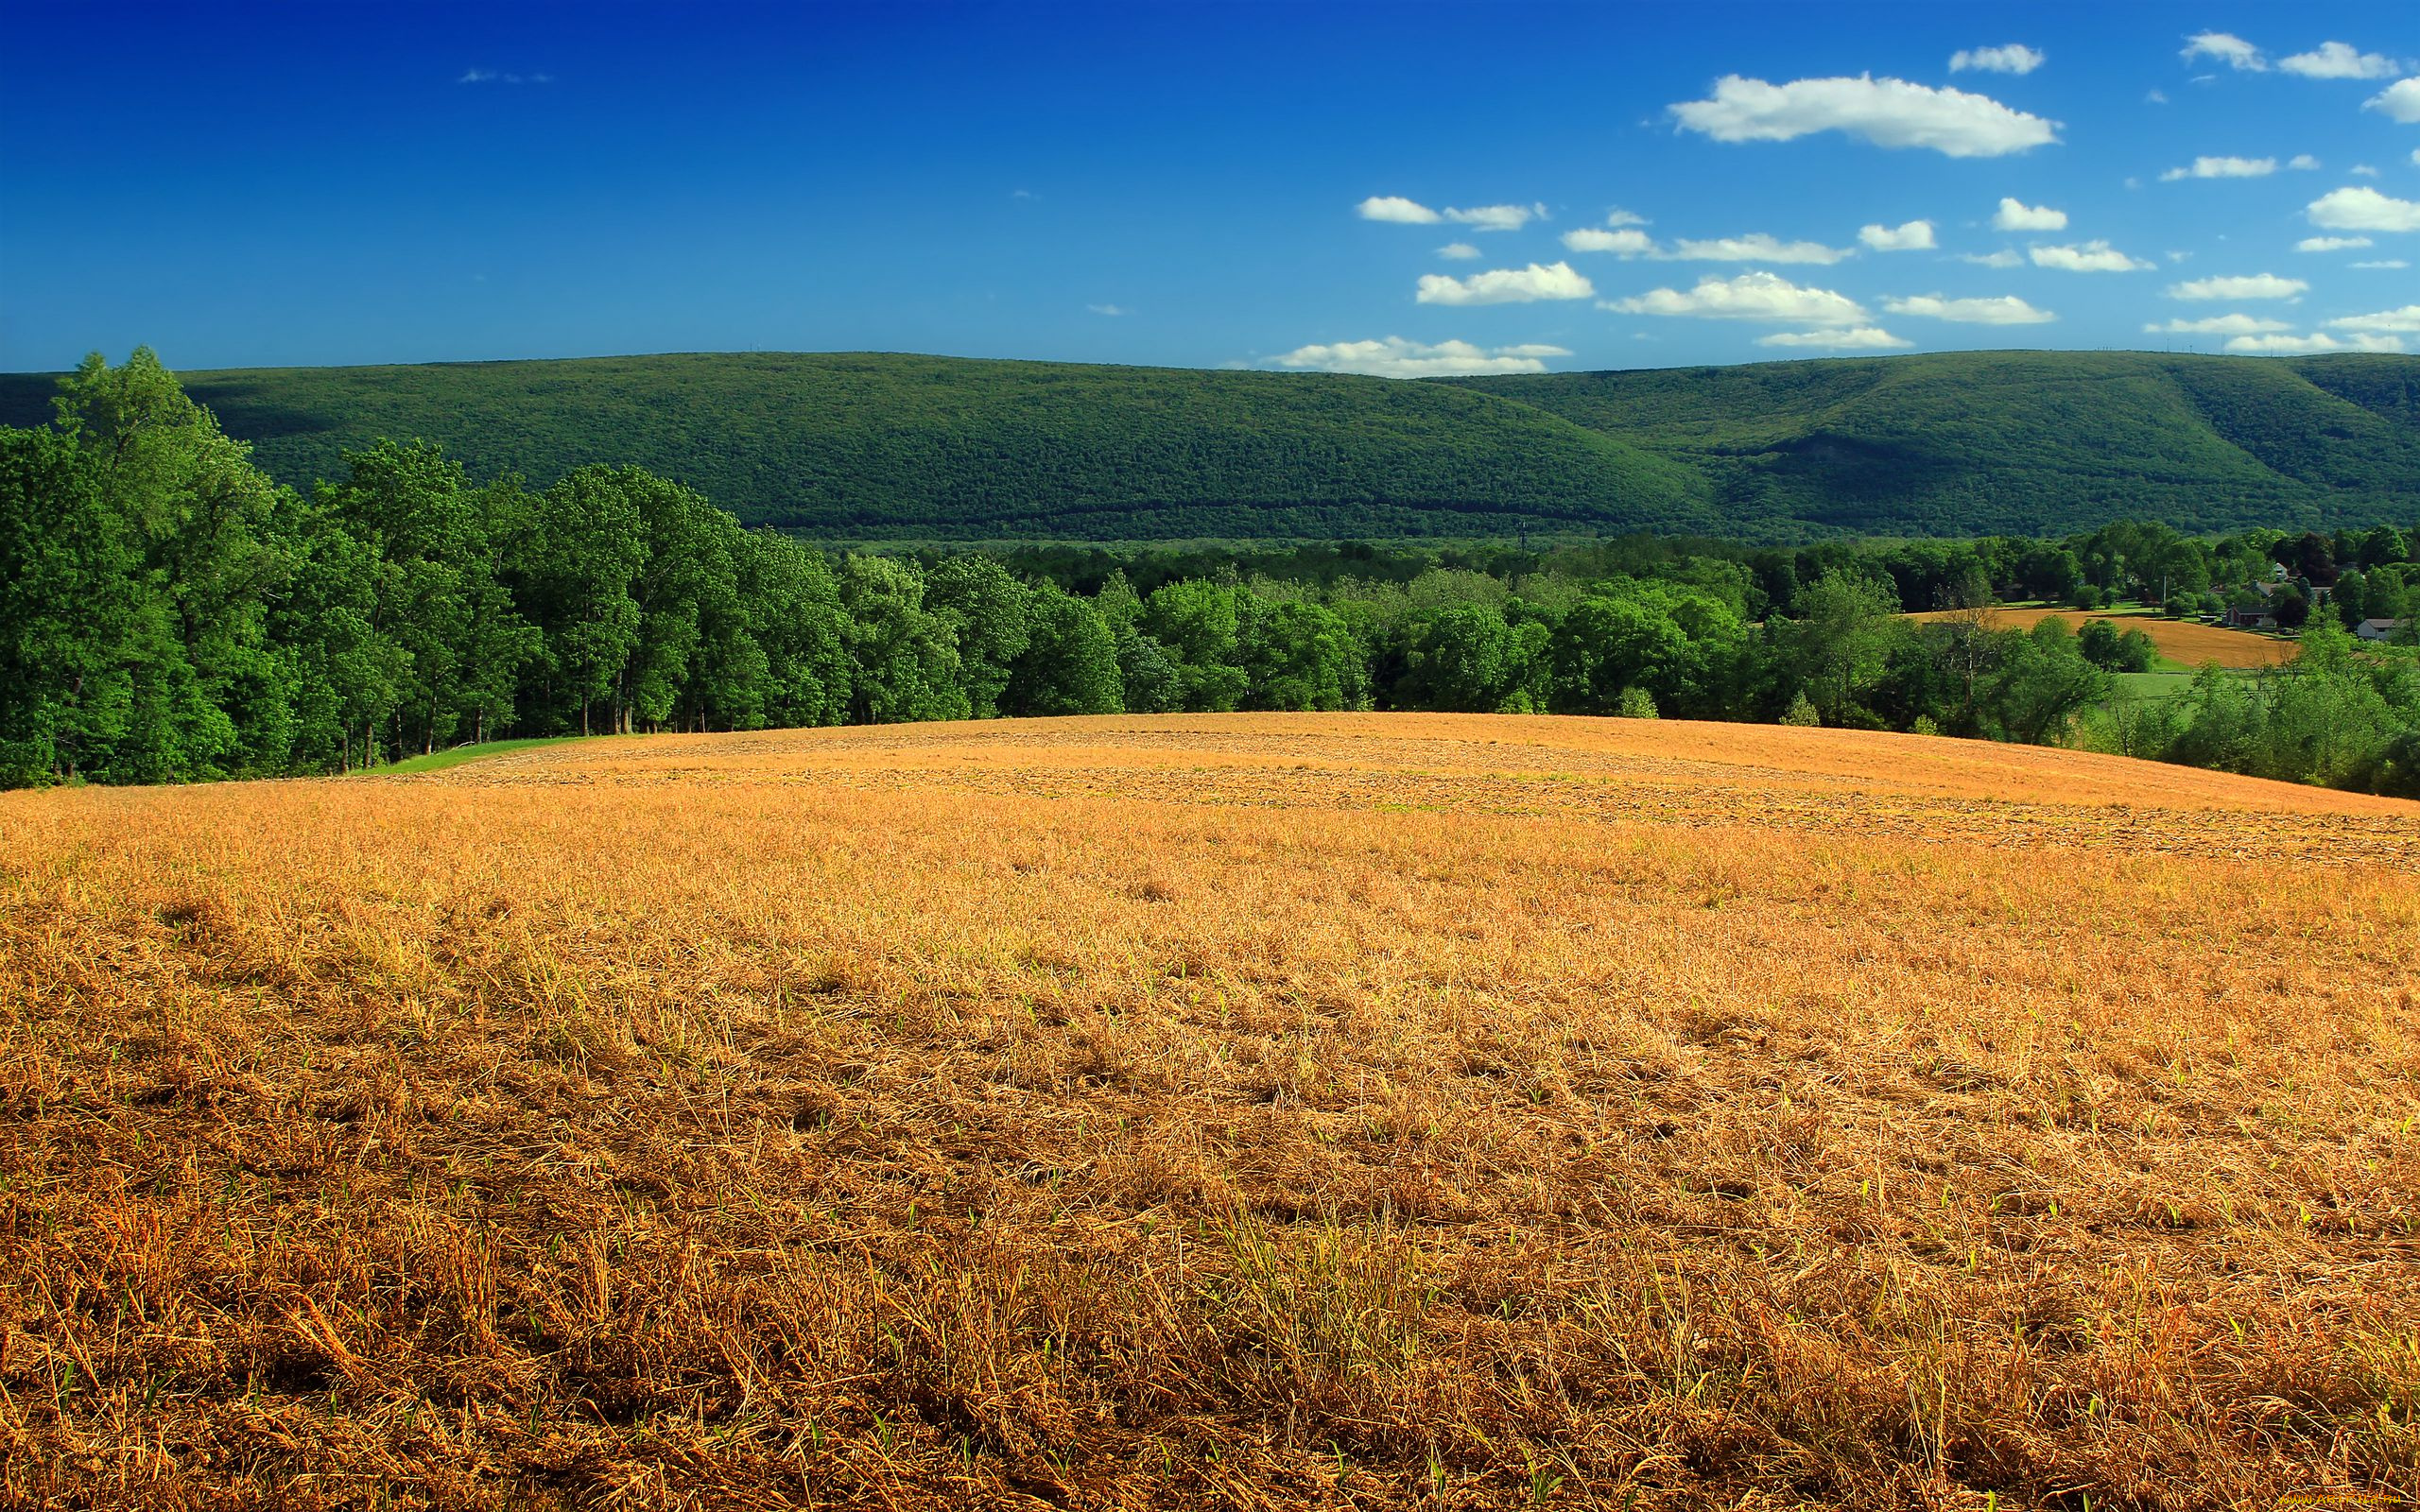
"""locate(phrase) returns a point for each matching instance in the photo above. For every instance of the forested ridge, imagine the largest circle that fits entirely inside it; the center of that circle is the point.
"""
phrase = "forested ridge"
(169, 611)
(873, 447)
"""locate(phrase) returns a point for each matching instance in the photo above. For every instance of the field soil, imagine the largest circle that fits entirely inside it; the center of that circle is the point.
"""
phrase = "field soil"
(1222, 1111)
(2186, 643)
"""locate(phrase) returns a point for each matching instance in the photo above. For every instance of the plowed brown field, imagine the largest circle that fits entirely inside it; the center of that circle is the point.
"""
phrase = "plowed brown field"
(1253, 1110)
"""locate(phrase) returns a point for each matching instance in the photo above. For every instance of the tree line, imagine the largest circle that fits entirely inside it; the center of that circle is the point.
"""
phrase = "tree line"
(168, 612)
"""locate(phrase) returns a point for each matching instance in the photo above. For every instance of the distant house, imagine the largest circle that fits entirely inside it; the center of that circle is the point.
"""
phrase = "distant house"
(2382, 629)
(2247, 619)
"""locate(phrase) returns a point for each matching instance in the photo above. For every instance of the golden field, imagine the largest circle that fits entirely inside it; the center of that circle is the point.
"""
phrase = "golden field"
(1224, 1111)
(2186, 641)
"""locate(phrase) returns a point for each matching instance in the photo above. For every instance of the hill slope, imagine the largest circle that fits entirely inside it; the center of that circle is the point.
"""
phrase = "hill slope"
(872, 446)
(1961, 442)
(875, 445)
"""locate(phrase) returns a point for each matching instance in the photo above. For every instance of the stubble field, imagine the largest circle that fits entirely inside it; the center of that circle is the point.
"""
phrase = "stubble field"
(2187, 642)
(1236, 1112)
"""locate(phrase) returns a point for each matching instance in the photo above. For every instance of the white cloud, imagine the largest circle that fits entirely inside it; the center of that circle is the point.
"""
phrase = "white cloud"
(1754, 248)
(1623, 217)
(2231, 50)
(2399, 101)
(1397, 209)
(1855, 339)
(2004, 309)
(2359, 209)
(2243, 286)
(2331, 243)
(2091, 257)
(1506, 286)
(2362, 170)
(1757, 296)
(1498, 218)
(1623, 243)
(2406, 319)
(1458, 251)
(1109, 309)
(2302, 159)
(2385, 263)
(2016, 216)
(1914, 236)
(2316, 341)
(2223, 168)
(1404, 212)
(2217, 325)
(489, 75)
(1395, 357)
(1889, 112)
(2014, 59)
(2005, 257)
(2338, 59)
(2155, 97)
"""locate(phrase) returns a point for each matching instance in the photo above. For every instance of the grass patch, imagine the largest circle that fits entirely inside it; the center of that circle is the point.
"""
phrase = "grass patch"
(437, 761)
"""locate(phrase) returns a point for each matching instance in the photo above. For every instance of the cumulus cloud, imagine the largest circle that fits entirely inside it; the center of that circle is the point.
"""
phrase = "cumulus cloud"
(2014, 59)
(1754, 248)
(1624, 217)
(1623, 243)
(1506, 286)
(2302, 159)
(2227, 48)
(1397, 209)
(2363, 209)
(1756, 296)
(2330, 244)
(2399, 101)
(2338, 59)
(2223, 168)
(2091, 257)
(1404, 212)
(1889, 112)
(1498, 218)
(1458, 251)
(2362, 170)
(2317, 341)
(1854, 338)
(2405, 320)
(2217, 325)
(1914, 236)
(2005, 257)
(1395, 357)
(2003, 309)
(2016, 216)
(2243, 286)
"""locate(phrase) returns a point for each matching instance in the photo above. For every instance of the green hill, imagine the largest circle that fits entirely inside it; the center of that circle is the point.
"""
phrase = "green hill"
(859, 445)
(862, 446)
(1958, 443)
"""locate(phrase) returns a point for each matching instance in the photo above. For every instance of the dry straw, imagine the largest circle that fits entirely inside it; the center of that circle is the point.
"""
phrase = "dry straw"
(1265, 1111)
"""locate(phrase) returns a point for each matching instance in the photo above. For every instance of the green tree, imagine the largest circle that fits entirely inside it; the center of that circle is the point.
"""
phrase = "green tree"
(1842, 639)
(1068, 664)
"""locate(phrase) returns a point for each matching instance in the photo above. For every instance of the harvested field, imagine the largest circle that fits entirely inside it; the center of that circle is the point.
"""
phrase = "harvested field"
(2187, 644)
(1252, 1110)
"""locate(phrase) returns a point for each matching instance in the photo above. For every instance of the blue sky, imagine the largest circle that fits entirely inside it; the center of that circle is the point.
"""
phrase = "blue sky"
(1399, 189)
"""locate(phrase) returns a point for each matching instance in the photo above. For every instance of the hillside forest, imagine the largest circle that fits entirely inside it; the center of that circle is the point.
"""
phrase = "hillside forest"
(170, 613)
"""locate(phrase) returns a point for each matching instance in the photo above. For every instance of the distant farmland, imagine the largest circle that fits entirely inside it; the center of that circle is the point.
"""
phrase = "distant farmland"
(1213, 1112)
(2181, 641)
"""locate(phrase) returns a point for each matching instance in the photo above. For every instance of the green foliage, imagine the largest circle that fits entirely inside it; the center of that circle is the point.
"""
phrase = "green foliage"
(867, 447)
(168, 612)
